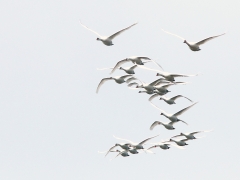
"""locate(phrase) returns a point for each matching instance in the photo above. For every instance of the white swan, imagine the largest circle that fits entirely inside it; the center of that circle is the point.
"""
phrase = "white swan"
(172, 100)
(194, 46)
(123, 153)
(117, 79)
(135, 60)
(180, 142)
(157, 94)
(168, 76)
(123, 146)
(148, 86)
(168, 126)
(174, 117)
(137, 145)
(128, 70)
(163, 88)
(190, 135)
(162, 146)
(107, 40)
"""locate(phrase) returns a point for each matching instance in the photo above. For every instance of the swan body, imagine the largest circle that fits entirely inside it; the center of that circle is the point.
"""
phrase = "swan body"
(168, 126)
(125, 146)
(190, 136)
(162, 146)
(171, 101)
(179, 143)
(136, 145)
(194, 46)
(117, 79)
(174, 117)
(135, 60)
(168, 76)
(107, 40)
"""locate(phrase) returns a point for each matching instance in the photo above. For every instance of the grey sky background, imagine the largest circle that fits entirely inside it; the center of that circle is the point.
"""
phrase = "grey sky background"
(52, 121)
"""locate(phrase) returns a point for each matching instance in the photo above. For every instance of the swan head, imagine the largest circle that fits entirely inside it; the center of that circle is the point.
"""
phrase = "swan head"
(160, 98)
(140, 92)
(184, 41)
(120, 68)
(158, 74)
(161, 114)
(98, 39)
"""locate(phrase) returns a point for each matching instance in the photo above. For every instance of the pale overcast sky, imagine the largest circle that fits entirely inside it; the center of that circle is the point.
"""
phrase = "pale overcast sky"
(52, 121)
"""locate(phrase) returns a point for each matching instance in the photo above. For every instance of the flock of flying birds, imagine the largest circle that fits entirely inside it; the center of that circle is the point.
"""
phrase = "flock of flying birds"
(157, 88)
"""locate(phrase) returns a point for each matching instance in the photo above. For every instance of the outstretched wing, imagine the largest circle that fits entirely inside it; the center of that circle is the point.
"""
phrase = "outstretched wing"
(155, 124)
(176, 136)
(110, 150)
(123, 139)
(184, 110)
(119, 64)
(133, 67)
(156, 70)
(89, 29)
(167, 85)
(178, 96)
(153, 96)
(156, 82)
(173, 34)
(148, 139)
(126, 76)
(119, 32)
(183, 75)
(153, 147)
(157, 108)
(102, 82)
(116, 156)
(132, 84)
(157, 64)
(208, 39)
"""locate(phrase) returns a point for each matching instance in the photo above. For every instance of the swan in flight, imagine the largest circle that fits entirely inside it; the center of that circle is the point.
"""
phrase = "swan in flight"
(125, 146)
(163, 88)
(194, 46)
(123, 153)
(168, 76)
(179, 143)
(117, 79)
(168, 126)
(136, 145)
(174, 117)
(190, 135)
(150, 86)
(128, 70)
(157, 93)
(107, 40)
(135, 60)
(164, 146)
(172, 100)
